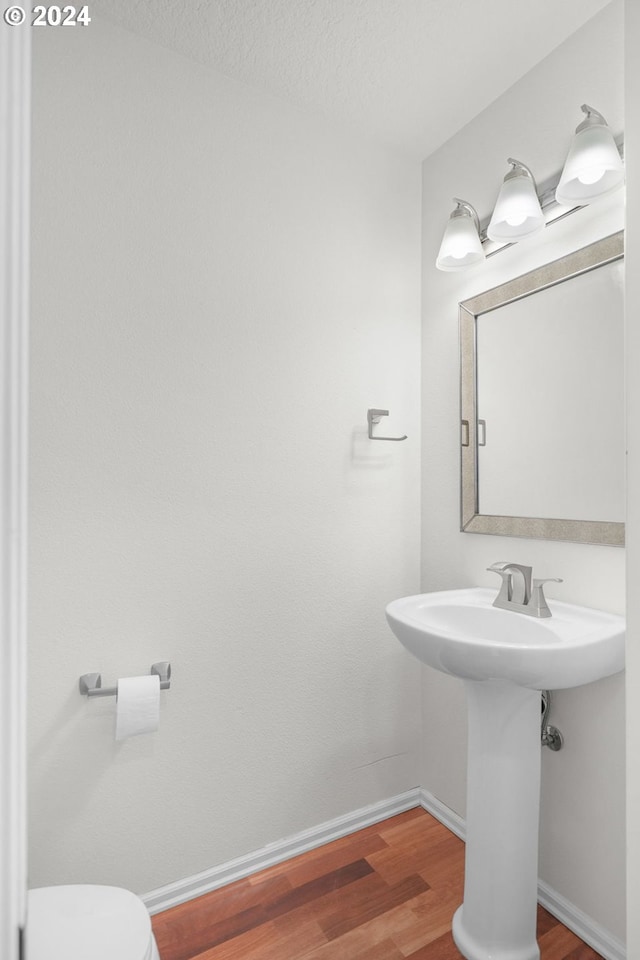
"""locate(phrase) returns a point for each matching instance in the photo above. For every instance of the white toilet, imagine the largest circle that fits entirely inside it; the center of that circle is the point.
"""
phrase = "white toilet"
(80, 921)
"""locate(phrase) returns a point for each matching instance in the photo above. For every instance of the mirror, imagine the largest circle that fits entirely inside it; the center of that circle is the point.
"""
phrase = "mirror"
(542, 401)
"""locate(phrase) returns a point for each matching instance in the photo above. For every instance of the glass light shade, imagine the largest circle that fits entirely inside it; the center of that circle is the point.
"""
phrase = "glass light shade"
(593, 167)
(461, 244)
(517, 213)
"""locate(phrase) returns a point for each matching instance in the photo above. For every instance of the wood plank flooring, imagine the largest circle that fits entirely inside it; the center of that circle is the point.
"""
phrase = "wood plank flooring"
(387, 892)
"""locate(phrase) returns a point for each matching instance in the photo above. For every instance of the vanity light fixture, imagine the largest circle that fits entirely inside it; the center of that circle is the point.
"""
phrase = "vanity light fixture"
(517, 213)
(461, 244)
(593, 167)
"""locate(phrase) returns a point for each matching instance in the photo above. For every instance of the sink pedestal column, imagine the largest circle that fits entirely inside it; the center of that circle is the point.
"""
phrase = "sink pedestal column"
(497, 920)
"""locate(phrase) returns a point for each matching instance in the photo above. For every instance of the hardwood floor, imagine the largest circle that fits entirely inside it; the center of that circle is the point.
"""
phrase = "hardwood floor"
(387, 892)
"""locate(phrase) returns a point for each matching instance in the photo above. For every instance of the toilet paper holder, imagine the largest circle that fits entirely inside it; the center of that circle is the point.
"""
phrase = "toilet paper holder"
(90, 684)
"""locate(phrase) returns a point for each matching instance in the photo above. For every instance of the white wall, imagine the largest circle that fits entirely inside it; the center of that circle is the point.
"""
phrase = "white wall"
(632, 294)
(582, 854)
(222, 285)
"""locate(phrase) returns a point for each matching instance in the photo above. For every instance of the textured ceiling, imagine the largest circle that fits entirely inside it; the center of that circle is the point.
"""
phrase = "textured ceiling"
(406, 72)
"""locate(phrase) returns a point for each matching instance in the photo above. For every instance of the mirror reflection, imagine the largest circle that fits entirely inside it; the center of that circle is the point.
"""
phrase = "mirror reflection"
(550, 373)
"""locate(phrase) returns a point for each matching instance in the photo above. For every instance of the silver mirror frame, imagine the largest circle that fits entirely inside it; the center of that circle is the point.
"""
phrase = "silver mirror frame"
(581, 531)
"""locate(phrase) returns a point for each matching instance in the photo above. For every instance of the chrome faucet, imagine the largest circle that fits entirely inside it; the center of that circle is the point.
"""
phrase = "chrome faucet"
(519, 592)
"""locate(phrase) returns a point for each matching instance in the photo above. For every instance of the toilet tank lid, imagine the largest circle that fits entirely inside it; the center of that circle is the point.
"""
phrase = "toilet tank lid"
(78, 921)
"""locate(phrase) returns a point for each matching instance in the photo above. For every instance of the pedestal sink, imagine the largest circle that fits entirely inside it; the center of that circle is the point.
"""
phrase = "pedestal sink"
(505, 660)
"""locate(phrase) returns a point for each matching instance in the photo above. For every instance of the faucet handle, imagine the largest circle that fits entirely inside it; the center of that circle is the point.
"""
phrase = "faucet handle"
(538, 599)
(538, 584)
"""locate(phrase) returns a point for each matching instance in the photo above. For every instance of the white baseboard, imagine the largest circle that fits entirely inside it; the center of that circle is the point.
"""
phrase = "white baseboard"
(182, 890)
(583, 926)
(172, 894)
(443, 813)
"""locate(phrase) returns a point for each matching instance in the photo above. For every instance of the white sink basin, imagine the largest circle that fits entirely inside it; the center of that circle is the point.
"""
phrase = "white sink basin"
(461, 633)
